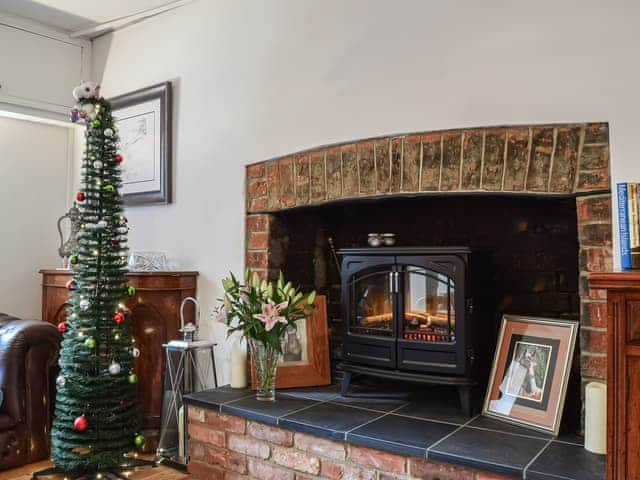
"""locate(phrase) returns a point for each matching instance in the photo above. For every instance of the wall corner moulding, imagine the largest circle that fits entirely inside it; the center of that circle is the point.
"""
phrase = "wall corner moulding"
(41, 66)
(127, 20)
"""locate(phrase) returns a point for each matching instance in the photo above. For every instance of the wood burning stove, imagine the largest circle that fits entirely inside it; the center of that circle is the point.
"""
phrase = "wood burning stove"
(407, 314)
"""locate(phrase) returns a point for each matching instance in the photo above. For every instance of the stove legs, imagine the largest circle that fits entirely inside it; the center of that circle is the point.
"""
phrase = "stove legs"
(344, 386)
(464, 393)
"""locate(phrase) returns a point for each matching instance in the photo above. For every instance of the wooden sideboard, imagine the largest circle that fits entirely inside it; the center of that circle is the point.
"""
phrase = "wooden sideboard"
(155, 311)
(623, 372)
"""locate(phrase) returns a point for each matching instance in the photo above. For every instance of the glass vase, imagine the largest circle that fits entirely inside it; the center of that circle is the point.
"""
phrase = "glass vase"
(265, 363)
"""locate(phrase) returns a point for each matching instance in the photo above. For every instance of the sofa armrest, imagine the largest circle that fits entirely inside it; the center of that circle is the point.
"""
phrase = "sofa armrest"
(28, 352)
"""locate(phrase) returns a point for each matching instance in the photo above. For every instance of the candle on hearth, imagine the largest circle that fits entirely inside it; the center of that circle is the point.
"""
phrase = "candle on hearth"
(238, 364)
(595, 418)
(181, 451)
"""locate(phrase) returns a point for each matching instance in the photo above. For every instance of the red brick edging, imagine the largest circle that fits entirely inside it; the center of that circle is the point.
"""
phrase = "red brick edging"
(228, 447)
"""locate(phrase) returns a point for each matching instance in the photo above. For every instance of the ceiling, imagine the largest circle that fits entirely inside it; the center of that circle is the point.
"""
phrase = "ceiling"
(74, 15)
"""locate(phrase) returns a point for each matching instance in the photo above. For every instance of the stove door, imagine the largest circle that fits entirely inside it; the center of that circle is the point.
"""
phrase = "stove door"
(431, 320)
(371, 306)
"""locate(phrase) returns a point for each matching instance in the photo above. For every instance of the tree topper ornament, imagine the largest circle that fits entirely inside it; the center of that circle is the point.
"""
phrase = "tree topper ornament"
(86, 95)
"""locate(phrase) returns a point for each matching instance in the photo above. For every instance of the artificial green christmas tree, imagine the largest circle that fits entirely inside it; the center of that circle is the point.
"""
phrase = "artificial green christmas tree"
(96, 415)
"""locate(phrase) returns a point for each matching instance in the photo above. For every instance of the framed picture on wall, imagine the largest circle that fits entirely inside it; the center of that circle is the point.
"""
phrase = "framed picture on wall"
(530, 371)
(305, 351)
(143, 119)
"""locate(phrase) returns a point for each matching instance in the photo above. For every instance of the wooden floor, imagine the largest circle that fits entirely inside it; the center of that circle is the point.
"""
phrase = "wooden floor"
(158, 473)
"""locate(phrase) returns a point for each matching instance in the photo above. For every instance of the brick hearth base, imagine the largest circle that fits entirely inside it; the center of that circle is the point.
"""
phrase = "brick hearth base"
(228, 447)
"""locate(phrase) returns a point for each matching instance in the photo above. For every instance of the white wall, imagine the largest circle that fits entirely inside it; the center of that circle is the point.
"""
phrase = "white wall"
(35, 171)
(256, 79)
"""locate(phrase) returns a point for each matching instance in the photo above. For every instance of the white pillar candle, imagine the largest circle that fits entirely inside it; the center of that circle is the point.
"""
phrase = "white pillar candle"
(181, 426)
(595, 418)
(238, 364)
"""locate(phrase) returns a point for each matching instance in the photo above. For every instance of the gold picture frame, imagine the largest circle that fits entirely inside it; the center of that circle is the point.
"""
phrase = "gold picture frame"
(530, 371)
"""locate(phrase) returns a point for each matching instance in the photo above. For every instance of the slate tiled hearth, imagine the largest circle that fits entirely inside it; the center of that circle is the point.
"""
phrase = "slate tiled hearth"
(412, 424)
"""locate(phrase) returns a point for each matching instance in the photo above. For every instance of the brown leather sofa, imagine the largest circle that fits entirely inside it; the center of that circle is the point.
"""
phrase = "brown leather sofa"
(28, 367)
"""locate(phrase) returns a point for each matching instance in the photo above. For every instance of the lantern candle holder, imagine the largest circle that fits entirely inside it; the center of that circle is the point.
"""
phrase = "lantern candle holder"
(190, 368)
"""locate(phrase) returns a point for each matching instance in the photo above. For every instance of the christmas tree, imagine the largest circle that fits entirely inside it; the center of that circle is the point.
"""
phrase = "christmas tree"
(96, 415)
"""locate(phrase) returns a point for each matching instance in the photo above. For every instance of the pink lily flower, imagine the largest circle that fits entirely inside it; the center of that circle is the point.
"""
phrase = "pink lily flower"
(270, 314)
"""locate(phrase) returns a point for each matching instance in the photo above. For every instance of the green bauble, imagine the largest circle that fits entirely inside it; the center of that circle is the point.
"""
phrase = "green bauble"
(139, 440)
(133, 378)
(95, 123)
(131, 291)
(90, 343)
(109, 188)
(73, 259)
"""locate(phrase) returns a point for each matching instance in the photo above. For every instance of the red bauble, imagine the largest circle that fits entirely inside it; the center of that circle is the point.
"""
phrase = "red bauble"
(62, 327)
(80, 196)
(118, 158)
(118, 318)
(81, 423)
(71, 284)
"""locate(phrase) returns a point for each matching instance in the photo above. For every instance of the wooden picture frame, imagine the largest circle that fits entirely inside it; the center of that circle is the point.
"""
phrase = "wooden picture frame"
(144, 123)
(314, 370)
(530, 371)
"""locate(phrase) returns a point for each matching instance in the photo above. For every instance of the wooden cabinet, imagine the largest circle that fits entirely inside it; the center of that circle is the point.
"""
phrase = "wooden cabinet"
(623, 372)
(156, 320)
(40, 66)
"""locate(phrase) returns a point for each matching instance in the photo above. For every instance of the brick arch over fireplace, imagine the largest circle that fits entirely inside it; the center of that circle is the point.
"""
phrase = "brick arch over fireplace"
(566, 159)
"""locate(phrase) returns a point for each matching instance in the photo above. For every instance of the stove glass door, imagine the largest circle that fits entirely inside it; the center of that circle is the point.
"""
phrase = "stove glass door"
(429, 306)
(372, 302)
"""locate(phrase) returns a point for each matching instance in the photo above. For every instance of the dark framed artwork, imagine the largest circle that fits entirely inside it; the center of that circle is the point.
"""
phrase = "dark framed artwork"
(530, 371)
(305, 351)
(143, 119)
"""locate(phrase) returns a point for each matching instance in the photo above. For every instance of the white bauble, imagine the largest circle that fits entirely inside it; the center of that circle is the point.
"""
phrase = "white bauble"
(61, 381)
(114, 368)
(84, 304)
(97, 164)
(135, 352)
(108, 132)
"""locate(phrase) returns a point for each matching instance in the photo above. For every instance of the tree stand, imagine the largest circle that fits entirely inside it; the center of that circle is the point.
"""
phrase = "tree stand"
(116, 473)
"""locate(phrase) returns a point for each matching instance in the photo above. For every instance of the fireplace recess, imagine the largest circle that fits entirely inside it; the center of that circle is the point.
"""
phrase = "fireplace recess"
(408, 315)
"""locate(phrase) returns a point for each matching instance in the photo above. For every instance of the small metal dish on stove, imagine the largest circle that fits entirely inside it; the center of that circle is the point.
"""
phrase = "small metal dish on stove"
(388, 239)
(374, 240)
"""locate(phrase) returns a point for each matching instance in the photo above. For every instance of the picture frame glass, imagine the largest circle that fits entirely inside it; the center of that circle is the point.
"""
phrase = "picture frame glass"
(530, 372)
(295, 345)
(139, 131)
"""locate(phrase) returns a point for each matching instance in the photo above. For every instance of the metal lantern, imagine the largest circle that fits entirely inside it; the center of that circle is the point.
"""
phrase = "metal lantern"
(190, 368)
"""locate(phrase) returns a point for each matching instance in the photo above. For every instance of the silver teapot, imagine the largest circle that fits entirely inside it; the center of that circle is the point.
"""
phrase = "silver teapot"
(68, 247)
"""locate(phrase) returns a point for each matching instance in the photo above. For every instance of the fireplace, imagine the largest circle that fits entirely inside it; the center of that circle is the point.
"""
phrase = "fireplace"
(538, 196)
(407, 315)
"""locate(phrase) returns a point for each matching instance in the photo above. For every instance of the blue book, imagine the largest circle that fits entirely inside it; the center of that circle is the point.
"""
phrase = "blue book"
(623, 226)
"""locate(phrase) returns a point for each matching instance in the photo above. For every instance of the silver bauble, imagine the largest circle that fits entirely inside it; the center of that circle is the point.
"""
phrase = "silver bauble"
(135, 352)
(84, 304)
(97, 164)
(114, 368)
(61, 381)
(102, 224)
(108, 132)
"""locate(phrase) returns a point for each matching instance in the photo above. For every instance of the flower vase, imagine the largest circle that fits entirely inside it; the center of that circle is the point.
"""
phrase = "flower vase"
(265, 363)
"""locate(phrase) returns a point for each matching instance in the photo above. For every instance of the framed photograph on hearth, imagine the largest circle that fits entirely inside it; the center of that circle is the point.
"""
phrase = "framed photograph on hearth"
(305, 351)
(143, 119)
(530, 371)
